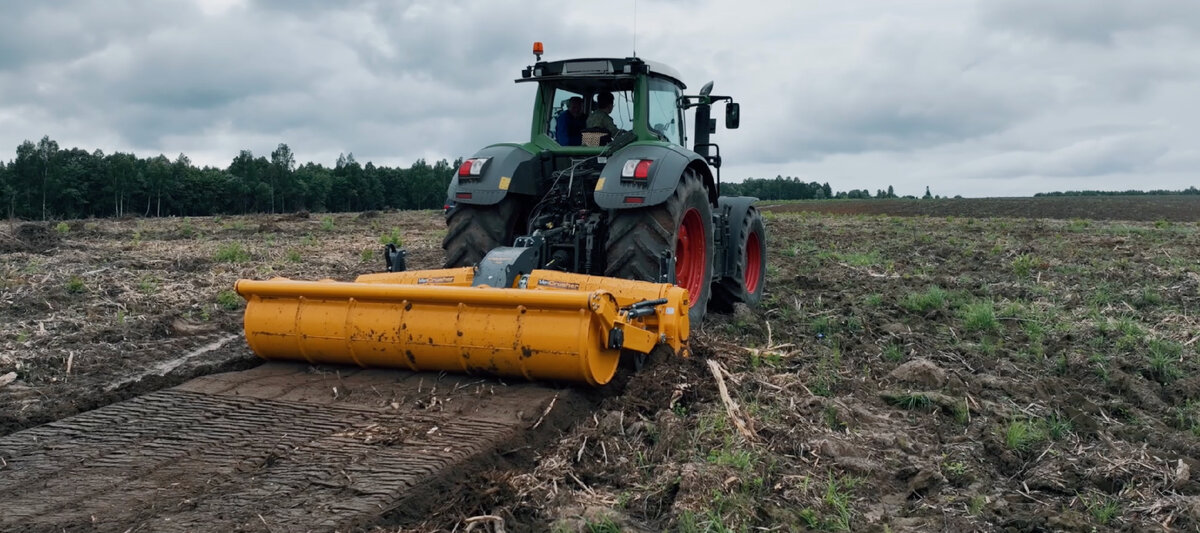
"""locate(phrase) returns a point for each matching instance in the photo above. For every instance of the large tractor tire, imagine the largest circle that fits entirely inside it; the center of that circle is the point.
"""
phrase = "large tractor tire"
(474, 230)
(637, 239)
(749, 276)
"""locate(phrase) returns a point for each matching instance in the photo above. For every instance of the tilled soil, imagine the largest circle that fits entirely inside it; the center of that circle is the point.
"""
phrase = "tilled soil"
(902, 374)
(281, 445)
(99, 311)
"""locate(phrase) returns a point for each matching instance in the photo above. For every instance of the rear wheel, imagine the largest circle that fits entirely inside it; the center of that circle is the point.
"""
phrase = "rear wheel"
(637, 239)
(474, 230)
(749, 276)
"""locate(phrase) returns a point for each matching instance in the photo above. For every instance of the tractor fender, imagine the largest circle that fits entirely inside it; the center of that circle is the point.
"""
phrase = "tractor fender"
(733, 210)
(510, 168)
(668, 167)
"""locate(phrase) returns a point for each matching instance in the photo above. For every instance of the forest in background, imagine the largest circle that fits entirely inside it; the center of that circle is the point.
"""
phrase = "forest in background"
(45, 182)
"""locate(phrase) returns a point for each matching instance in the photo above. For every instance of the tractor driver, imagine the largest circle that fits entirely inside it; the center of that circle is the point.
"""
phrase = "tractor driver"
(601, 117)
(568, 129)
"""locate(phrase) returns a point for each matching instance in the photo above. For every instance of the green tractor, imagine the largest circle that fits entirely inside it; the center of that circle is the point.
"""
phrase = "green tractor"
(634, 203)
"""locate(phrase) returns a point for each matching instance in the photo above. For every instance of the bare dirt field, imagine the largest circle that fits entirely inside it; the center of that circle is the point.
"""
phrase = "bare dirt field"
(1144, 208)
(904, 373)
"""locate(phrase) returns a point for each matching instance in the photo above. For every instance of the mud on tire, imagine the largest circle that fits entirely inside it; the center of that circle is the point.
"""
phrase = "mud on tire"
(750, 270)
(474, 230)
(638, 237)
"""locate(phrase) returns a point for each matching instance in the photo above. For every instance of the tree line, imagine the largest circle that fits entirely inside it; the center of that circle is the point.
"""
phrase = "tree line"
(1157, 192)
(47, 182)
(789, 188)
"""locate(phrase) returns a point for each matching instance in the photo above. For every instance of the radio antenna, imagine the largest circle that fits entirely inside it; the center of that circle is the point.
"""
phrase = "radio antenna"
(634, 28)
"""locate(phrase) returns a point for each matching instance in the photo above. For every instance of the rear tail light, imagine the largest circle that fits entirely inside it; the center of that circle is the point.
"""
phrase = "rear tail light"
(637, 169)
(473, 167)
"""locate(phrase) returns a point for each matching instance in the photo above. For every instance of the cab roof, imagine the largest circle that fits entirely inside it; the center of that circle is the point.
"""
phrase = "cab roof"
(600, 68)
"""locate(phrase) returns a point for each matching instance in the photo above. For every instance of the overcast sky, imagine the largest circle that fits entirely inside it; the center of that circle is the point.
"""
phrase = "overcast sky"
(972, 98)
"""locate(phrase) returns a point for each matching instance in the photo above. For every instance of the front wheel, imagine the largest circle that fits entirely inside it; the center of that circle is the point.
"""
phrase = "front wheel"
(637, 239)
(746, 282)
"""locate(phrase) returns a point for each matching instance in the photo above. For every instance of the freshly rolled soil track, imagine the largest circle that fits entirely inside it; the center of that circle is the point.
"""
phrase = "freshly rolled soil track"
(275, 448)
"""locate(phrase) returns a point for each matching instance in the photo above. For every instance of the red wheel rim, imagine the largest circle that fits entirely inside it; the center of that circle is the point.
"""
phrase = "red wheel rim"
(753, 263)
(690, 254)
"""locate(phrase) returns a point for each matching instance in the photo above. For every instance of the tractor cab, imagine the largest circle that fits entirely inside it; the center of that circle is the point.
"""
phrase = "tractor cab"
(649, 104)
(646, 98)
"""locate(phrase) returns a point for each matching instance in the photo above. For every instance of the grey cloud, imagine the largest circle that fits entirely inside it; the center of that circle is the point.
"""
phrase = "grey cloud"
(888, 101)
(33, 33)
(1089, 157)
(1094, 21)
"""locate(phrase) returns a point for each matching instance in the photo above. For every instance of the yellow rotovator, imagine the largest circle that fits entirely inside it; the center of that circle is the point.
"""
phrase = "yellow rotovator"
(549, 326)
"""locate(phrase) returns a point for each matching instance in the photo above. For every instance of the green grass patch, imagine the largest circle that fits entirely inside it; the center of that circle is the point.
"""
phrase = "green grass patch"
(1023, 435)
(62, 228)
(186, 229)
(975, 504)
(75, 285)
(1102, 295)
(1146, 298)
(861, 259)
(603, 525)
(893, 352)
(826, 377)
(954, 469)
(392, 237)
(229, 300)
(1057, 427)
(823, 325)
(1162, 360)
(739, 459)
(1024, 264)
(1103, 508)
(980, 317)
(922, 302)
(837, 497)
(832, 420)
(910, 401)
(1186, 417)
(327, 223)
(232, 252)
(148, 285)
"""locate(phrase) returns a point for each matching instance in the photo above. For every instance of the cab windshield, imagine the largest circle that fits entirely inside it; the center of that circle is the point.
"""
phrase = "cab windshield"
(570, 109)
(664, 116)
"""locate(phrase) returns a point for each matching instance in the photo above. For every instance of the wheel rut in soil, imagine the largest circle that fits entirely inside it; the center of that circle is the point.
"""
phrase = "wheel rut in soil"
(272, 447)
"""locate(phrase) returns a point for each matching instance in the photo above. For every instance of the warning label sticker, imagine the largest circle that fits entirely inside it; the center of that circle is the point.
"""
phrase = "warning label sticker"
(440, 279)
(558, 284)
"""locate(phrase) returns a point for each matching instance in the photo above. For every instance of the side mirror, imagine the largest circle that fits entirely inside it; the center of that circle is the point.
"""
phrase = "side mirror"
(733, 115)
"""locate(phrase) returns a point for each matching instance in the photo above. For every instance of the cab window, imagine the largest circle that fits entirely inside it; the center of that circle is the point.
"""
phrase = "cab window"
(561, 127)
(622, 113)
(663, 114)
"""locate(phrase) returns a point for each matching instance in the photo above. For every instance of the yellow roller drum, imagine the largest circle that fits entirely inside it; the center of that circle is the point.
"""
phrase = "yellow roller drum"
(541, 335)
